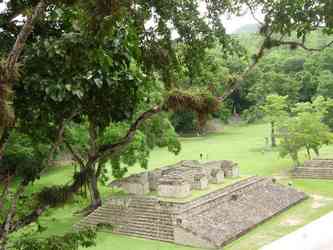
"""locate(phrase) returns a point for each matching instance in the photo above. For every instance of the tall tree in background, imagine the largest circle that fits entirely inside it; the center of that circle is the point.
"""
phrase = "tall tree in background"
(275, 110)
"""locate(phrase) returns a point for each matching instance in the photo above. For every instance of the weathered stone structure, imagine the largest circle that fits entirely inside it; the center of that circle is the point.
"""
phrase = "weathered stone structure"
(135, 184)
(210, 221)
(178, 180)
(217, 176)
(315, 169)
(178, 187)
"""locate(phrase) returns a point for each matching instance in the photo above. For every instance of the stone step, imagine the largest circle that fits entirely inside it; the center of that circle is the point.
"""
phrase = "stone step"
(145, 210)
(153, 226)
(105, 219)
(147, 227)
(154, 215)
(148, 214)
(146, 236)
(313, 174)
(315, 171)
(132, 209)
(163, 221)
(144, 232)
(313, 177)
(143, 203)
(142, 220)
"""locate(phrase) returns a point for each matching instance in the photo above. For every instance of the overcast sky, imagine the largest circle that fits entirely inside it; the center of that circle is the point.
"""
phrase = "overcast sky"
(230, 23)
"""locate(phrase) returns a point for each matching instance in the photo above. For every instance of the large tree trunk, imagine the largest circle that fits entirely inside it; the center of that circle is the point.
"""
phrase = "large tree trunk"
(273, 136)
(308, 153)
(202, 121)
(96, 200)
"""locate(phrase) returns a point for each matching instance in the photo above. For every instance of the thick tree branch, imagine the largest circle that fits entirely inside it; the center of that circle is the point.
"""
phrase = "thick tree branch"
(60, 136)
(76, 155)
(8, 70)
(108, 149)
(237, 82)
(22, 37)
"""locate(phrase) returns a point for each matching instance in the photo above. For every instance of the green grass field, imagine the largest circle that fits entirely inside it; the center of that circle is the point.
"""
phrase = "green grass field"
(243, 144)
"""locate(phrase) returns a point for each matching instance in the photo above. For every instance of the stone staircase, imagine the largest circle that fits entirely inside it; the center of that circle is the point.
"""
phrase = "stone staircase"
(313, 173)
(319, 163)
(137, 216)
(315, 169)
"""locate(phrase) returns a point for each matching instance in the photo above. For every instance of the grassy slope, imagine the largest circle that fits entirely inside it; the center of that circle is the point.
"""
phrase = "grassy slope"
(243, 144)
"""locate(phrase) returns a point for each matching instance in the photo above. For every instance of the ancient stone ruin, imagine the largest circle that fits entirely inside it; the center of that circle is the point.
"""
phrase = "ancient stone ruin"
(178, 180)
(315, 169)
(208, 221)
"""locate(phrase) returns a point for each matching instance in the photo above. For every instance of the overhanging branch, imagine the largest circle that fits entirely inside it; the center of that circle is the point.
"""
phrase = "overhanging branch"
(107, 149)
(76, 156)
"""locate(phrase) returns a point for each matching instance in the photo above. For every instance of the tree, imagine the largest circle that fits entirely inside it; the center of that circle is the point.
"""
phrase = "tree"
(101, 67)
(275, 109)
(325, 83)
(21, 166)
(305, 130)
(69, 241)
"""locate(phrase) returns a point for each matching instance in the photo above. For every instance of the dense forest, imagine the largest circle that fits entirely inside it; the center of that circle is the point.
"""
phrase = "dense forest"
(299, 74)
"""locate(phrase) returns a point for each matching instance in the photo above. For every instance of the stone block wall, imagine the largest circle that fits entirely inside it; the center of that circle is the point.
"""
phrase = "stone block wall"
(217, 176)
(200, 182)
(174, 189)
(136, 188)
(135, 184)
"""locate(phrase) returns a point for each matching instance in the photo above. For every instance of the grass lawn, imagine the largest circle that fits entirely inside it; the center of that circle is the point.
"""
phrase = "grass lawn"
(243, 144)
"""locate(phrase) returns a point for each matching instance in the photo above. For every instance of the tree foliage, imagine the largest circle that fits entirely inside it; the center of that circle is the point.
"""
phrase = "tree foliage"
(305, 130)
(69, 241)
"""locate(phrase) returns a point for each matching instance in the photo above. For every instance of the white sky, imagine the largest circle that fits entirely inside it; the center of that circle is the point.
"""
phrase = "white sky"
(233, 23)
(230, 23)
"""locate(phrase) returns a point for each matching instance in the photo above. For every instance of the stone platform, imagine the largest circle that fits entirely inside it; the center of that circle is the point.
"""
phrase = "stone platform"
(178, 180)
(315, 169)
(209, 221)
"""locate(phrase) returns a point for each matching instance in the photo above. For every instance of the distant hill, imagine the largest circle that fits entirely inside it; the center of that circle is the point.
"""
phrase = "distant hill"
(247, 28)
